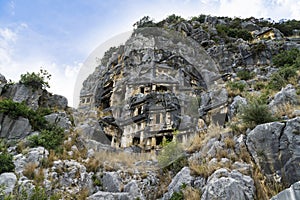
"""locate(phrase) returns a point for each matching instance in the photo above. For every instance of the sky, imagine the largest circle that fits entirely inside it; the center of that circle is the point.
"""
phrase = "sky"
(61, 35)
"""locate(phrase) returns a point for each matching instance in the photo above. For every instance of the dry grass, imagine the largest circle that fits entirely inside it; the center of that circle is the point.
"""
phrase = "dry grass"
(203, 169)
(213, 131)
(190, 193)
(229, 143)
(39, 177)
(285, 109)
(29, 170)
(119, 160)
(245, 155)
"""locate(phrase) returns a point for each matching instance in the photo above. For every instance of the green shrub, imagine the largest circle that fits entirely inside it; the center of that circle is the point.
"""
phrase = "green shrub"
(38, 193)
(256, 112)
(36, 80)
(286, 58)
(50, 138)
(287, 72)
(245, 75)
(276, 82)
(15, 110)
(6, 160)
(236, 86)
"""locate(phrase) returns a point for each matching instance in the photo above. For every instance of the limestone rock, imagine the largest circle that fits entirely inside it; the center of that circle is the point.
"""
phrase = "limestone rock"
(275, 148)
(182, 177)
(111, 182)
(109, 196)
(61, 119)
(71, 175)
(223, 184)
(234, 106)
(8, 180)
(286, 95)
(14, 128)
(292, 193)
(34, 156)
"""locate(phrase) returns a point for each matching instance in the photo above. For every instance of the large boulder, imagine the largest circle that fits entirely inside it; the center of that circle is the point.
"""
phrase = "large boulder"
(14, 128)
(223, 184)
(8, 180)
(286, 95)
(60, 119)
(111, 182)
(292, 193)
(275, 148)
(182, 178)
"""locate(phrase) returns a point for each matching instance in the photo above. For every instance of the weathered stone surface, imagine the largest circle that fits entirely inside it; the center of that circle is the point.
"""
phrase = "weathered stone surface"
(111, 182)
(8, 180)
(53, 101)
(286, 95)
(223, 184)
(14, 128)
(234, 106)
(74, 177)
(140, 78)
(292, 193)
(182, 177)
(275, 148)
(34, 156)
(110, 196)
(60, 119)
(133, 189)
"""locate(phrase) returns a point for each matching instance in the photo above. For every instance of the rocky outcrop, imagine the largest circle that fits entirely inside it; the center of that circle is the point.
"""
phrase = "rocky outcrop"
(287, 95)
(275, 148)
(34, 98)
(182, 178)
(14, 128)
(223, 184)
(34, 156)
(60, 119)
(292, 193)
(8, 180)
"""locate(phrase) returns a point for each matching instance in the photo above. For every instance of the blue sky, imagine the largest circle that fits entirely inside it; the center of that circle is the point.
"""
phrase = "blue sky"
(59, 35)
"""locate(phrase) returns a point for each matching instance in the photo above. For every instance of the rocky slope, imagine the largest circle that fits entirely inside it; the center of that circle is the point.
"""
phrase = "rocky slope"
(244, 143)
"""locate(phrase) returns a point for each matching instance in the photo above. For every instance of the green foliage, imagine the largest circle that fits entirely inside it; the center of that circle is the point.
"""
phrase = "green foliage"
(173, 19)
(287, 27)
(36, 80)
(6, 159)
(6, 162)
(236, 86)
(225, 31)
(177, 196)
(201, 18)
(50, 138)
(144, 22)
(245, 75)
(287, 72)
(276, 82)
(256, 112)
(287, 58)
(39, 193)
(15, 110)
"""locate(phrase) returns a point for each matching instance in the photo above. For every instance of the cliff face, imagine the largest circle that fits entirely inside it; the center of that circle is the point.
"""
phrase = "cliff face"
(206, 108)
(144, 93)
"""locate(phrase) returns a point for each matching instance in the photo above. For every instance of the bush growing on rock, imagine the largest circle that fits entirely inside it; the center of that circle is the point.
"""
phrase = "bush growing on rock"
(256, 112)
(36, 80)
(6, 160)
